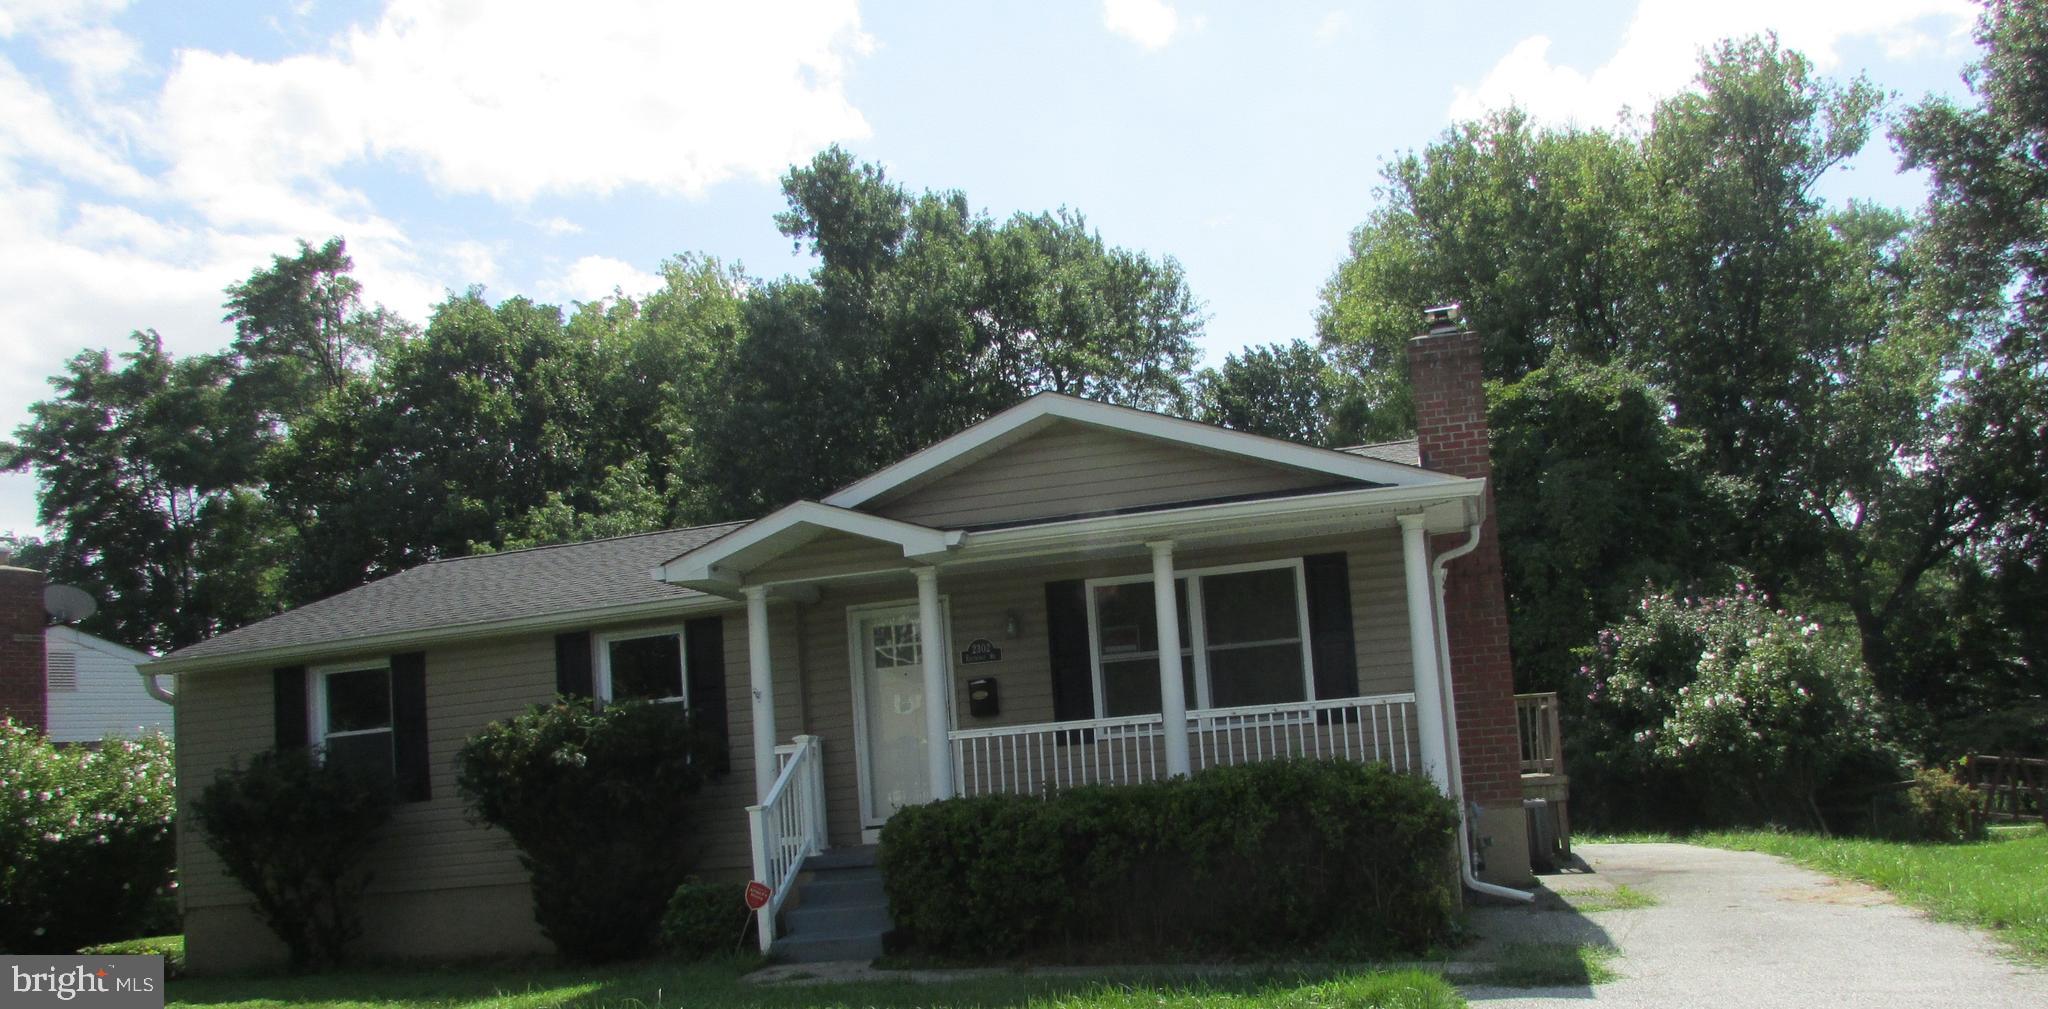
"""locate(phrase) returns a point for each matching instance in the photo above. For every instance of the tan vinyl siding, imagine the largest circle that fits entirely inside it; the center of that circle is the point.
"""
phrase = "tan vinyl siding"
(831, 554)
(1074, 469)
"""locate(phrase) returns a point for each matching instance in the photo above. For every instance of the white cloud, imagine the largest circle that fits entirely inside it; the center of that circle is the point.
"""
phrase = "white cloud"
(1333, 26)
(130, 197)
(1659, 51)
(525, 97)
(594, 278)
(1150, 23)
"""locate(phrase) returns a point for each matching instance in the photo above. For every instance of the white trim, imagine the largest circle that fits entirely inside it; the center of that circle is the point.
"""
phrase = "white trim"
(1021, 420)
(701, 564)
(1195, 635)
(857, 666)
(601, 661)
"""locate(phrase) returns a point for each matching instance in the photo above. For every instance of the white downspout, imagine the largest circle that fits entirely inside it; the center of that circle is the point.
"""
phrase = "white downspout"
(155, 686)
(1449, 705)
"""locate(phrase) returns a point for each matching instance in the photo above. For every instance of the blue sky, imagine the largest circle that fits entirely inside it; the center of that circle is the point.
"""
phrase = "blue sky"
(150, 154)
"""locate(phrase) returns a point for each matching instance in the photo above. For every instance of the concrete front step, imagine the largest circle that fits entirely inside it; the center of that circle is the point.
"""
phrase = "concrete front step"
(839, 910)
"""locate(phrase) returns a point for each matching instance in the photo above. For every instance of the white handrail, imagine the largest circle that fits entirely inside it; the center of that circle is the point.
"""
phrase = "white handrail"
(788, 825)
(1029, 759)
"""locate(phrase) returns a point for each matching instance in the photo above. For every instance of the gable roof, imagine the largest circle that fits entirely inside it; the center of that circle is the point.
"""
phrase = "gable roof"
(1021, 421)
(568, 582)
(790, 527)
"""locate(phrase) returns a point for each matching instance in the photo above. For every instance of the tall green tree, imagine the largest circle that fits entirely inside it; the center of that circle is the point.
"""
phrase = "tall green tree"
(1281, 391)
(923, 316)
(1988, 226)
(302, 331)
(1789, 345)
(148, 489)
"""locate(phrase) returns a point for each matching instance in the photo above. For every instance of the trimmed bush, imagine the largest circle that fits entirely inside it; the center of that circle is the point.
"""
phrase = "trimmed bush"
(1289, 857)
(599, 801)
(86, 849)
(705, 920)
(1943, 808)
(294, 831)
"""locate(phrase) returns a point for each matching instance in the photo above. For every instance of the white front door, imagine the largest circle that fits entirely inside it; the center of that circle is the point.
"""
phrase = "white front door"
(889, 665)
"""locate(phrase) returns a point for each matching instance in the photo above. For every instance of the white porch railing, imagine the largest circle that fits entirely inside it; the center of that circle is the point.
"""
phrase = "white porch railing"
(1028, 759)
(789, 825)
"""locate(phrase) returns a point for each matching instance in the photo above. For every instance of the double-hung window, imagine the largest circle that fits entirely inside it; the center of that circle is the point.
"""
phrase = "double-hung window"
(1244, 638)
(352, 718)
(642, 666)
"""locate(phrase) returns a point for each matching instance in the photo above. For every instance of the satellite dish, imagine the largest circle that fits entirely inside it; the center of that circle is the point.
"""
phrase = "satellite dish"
(68, 604)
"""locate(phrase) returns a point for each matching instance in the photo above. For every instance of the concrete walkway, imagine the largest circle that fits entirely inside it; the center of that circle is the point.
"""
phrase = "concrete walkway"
(1738, 930)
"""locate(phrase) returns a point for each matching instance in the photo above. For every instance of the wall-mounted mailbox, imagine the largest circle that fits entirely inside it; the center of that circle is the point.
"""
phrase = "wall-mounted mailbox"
(983, 699)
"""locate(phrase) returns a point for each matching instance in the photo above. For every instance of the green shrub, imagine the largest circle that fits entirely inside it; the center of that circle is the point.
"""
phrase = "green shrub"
(86, 848)
(293, 831)
(1285, 857)
(1719, 711)
(705, 920)
(1943, 808)
(599, 802)
(170, 947)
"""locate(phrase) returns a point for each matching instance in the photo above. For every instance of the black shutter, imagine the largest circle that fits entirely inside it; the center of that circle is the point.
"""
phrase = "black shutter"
(572, 664)
(1329, 625)
(1066, 632)
(288, 707)
(704, 649)
(409, 726)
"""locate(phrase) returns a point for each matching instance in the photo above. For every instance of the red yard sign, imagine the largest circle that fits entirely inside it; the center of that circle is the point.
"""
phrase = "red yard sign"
(758, 894)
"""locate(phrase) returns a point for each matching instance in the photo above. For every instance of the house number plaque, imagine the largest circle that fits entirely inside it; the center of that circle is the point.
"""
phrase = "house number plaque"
(980, 650)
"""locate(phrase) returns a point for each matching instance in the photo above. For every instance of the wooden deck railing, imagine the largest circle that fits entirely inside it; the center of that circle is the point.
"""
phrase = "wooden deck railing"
(1542, 738)
(2009, 788)
(1030, 759)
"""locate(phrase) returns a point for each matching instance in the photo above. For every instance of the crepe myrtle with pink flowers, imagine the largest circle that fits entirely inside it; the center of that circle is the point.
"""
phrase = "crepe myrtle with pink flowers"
(1723, 709)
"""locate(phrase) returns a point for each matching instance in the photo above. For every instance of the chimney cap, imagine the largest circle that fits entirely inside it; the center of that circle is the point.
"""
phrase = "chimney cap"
(1442, 318)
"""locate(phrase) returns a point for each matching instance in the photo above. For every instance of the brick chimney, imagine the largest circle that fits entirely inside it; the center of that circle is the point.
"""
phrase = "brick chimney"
(22, 619)
(1446, 376)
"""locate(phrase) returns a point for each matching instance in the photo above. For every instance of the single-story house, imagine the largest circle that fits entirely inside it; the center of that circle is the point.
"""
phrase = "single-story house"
(74, 687)
(1067, 592)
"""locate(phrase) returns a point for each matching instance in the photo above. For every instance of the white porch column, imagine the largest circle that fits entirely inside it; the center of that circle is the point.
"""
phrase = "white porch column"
(938, 699)
(761, 674)
(1173, 701)
(1422, 651)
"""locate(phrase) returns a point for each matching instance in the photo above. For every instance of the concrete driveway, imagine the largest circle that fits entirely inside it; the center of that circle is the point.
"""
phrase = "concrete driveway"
(1737, 930)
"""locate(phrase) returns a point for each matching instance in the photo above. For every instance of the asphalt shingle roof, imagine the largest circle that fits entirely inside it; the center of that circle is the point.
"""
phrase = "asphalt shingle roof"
(486, 588)
(1406, 451)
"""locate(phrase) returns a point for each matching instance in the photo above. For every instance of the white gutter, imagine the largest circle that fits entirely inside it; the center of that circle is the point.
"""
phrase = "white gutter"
(1450, 709)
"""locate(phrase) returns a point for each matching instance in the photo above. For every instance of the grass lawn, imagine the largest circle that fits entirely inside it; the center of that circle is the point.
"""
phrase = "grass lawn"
(682, 986)
(2000, 885)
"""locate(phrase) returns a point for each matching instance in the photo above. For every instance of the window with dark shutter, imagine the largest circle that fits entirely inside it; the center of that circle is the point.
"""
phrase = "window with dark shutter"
(704, 641)
(409, 726)
(288, 707)
(572, 664)
(1066, 632)
(1332, 647)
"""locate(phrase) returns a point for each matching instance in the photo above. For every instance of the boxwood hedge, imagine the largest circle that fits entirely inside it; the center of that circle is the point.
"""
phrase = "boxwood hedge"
(1285, 857)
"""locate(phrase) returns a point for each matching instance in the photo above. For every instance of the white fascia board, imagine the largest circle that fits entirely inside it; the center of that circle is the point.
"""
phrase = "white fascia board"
(702, 564)
(1055, 536)
(566, 620)
(1048, 405)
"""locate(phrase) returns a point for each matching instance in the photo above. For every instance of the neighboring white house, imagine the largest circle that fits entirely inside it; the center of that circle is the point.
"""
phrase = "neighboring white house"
(94, 691)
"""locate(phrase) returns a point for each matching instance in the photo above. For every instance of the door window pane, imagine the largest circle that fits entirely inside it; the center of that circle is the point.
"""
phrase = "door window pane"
(649, 668)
